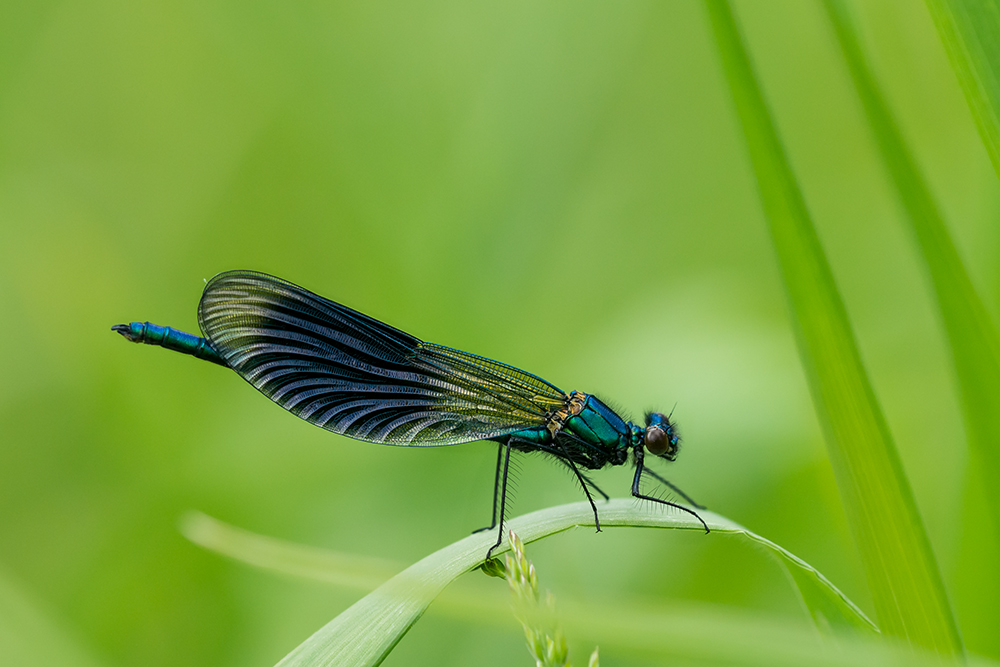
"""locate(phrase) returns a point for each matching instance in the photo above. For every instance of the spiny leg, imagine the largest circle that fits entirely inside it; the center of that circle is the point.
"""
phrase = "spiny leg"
(674, 488)
(496, 486)
(639, 467)
(503, 497)
(583, 483)
(591, 484)
(560, 454)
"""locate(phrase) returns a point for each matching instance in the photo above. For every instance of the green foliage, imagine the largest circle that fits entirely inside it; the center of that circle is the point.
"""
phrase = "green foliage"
(906, 586)
(970, 30)
(365, 633)
(560, 186)
(545, 639)
(972, 335)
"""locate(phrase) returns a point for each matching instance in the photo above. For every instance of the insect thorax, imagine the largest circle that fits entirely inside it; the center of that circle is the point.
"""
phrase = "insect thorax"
(594, 427)
(556, 420)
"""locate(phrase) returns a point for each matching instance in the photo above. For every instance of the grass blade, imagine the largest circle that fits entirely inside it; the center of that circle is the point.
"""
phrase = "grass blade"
(363, 573)
(366, 632)
(972, 335)
(970, 30)
(900, 568)
(688, 634)
(684, 632)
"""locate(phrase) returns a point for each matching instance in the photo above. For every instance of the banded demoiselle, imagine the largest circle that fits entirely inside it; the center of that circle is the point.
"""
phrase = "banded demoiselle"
(351, 374)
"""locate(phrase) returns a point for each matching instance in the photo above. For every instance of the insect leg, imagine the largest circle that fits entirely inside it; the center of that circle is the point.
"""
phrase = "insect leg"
(591, 484)
(583, 483)
(503, 496)
(496, 487)
(674, 488)
(560, 454)
(639, 467)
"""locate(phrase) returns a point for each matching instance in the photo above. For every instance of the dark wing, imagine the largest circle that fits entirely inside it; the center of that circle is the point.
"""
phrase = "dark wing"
(351, 374)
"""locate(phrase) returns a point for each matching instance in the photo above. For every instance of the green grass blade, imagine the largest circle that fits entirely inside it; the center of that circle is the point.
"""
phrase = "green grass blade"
(366, 632)
(970, 30)
(972, 335)
(685, 633)
(906, 586)
(692, 635)
(363, 573)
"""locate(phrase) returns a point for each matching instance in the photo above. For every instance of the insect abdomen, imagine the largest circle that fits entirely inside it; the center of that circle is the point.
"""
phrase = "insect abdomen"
(172, 339)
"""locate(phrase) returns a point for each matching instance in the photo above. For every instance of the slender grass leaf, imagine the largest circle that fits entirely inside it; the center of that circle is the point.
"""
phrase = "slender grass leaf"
(972, 335)
(363, 573)
(366, 632)
(692, 633)
(970, 30)
(906, 586)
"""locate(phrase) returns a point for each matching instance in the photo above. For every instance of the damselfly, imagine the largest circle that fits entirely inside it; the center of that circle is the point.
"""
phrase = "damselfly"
(351, 374)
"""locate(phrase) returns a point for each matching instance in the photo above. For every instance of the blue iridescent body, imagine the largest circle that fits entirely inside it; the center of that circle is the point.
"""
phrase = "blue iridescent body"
(170, 338)
(596, 435)
(354, 375)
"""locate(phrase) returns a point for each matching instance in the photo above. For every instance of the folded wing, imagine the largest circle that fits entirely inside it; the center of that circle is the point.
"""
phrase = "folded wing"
(351, 374)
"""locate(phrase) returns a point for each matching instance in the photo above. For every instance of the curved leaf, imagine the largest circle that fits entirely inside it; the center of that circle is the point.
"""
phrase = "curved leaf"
(366, 632)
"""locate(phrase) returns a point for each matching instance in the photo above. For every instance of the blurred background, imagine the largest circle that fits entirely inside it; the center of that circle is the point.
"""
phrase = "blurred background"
(558, 185)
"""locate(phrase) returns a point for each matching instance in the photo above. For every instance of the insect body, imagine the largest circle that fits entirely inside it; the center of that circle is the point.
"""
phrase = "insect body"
(354, 375)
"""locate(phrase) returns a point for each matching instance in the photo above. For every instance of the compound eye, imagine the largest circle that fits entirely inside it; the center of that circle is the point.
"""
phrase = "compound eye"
(657, 441)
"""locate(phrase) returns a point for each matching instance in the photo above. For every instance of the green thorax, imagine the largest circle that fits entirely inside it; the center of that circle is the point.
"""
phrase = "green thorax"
(598, 425)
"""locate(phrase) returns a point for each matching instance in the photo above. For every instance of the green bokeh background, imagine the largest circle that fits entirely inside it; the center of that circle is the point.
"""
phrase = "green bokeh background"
(558, 185)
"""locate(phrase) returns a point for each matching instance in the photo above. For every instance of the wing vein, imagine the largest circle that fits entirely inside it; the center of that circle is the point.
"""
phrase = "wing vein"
(352, 374)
